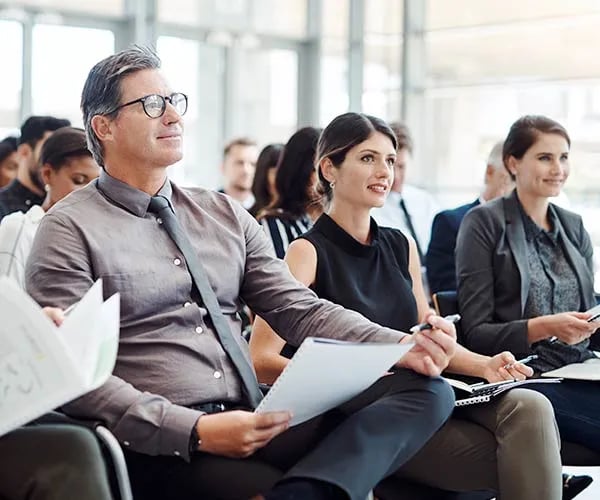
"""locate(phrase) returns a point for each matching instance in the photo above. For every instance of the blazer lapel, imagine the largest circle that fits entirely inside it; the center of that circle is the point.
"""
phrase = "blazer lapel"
(515, 235)
(576, 260)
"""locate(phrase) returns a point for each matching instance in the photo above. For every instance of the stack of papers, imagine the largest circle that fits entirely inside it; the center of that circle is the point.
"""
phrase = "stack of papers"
(43, 367)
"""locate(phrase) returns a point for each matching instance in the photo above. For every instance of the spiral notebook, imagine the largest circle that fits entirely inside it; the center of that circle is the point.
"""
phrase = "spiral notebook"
(325, 373)
(483, 393)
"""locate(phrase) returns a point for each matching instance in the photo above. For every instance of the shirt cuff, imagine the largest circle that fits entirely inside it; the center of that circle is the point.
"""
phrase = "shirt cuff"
(389, 336)
(176, 429)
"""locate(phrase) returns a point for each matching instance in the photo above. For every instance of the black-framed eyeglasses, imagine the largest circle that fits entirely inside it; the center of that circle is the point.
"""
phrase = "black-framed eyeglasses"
(155, 105)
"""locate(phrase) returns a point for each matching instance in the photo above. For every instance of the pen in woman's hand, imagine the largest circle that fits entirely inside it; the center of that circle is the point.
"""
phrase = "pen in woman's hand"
(523, 361)
(453, 318)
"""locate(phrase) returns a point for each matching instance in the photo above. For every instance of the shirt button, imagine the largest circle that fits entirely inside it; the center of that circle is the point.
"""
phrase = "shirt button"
(27, 202)
(199, 330)
(217, 374)
(159, 220)
(176, 453)
(126, 443)
(177, 262)
(187, 304)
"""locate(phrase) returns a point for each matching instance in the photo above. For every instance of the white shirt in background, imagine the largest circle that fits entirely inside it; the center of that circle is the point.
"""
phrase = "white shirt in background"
(17, 231)
(421, 206)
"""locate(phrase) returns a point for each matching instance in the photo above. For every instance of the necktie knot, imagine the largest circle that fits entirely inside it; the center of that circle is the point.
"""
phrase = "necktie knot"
(158, 204)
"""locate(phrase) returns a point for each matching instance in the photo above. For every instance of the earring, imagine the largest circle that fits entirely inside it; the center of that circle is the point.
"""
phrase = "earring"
(47, 188)
(332, 184)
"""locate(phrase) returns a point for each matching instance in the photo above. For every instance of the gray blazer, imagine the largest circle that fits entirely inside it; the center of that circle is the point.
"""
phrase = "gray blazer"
(493, 274)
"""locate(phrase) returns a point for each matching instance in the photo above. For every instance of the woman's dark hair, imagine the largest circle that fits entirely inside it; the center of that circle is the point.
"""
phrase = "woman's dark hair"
(341, 135)
(267, 159)
(523, 134)
(294, 173)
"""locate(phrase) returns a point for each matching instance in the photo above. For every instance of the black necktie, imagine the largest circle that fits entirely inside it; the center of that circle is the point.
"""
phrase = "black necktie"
(161, 207)
(411, 229)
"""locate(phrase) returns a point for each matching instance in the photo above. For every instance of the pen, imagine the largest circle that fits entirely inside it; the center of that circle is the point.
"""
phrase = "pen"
(453, 318)
(523, 361)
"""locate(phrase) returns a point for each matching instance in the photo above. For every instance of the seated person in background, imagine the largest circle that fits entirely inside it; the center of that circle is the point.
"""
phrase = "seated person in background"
(8, 160)
(439, 261)
(525, 275)
(27, 189)
(181, 395)
(408, 208)
(297, 205)
(52, 462)
(263, 185)
(510, 444)
(238, 167)
(67, 165)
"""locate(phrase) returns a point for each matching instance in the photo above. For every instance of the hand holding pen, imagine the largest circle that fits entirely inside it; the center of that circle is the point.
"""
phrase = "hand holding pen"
(504, 366)
(523, 361)
(453, 318)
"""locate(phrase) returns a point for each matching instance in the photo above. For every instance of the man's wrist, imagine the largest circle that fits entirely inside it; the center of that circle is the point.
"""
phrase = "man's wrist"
(195, 440)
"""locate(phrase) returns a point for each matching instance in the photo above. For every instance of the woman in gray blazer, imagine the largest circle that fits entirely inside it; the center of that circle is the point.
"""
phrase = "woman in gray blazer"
(525, 275)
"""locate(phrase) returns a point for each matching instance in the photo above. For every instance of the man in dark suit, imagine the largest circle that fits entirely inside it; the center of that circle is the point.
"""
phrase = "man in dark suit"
(439, 259)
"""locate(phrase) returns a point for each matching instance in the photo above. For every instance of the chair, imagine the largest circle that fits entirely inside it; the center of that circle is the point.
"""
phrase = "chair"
(573, 454)
(119, 475)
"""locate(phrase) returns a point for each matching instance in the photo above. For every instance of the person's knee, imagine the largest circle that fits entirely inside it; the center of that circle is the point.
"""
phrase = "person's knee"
(442, 397)
(436, 395)
(529, 409)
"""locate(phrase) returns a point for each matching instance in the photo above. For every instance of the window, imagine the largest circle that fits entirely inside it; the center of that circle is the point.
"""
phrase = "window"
(104, 7)
(268, 94)
(11, 39)
(62, 59)
(382, 82)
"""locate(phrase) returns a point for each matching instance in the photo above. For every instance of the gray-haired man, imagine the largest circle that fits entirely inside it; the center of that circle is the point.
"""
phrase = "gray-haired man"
(179, 400)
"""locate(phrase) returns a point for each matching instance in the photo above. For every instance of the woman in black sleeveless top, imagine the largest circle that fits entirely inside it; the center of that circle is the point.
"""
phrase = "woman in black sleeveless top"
(510, 444)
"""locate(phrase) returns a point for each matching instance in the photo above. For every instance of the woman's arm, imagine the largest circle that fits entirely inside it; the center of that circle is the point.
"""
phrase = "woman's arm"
(465, 362)
(265, 344)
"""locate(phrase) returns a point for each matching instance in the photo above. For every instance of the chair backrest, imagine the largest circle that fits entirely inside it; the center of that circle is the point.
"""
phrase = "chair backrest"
(446, 303)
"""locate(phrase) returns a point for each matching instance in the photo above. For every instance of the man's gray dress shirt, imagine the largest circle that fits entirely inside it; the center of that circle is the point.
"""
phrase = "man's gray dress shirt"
(169, 356)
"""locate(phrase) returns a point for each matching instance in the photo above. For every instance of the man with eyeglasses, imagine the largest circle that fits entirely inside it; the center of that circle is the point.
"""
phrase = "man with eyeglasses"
(185, 260)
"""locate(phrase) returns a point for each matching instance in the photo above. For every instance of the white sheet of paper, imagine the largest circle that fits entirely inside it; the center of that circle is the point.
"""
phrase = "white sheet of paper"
(39, 371)
(588, 370)
(325, 373)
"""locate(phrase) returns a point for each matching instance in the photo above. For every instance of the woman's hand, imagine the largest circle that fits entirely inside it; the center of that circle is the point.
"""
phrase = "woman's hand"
(570, 327)
(433, 350)
(504, 366)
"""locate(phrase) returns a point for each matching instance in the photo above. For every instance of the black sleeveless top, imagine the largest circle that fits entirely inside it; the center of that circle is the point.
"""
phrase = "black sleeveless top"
(371, 279)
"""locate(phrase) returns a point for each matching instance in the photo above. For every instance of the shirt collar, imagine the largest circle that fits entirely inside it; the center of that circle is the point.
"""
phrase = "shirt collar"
(35, 213)
(128, 197)
(535, 231)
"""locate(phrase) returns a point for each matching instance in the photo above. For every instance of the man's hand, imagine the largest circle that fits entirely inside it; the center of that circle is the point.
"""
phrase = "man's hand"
(504, 366)
(238, 434)
(55, 314)
(433, 350)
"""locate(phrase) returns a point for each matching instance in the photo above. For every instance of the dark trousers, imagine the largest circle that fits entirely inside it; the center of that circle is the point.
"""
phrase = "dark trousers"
(353, 446)
(52, 462)
(576, 404)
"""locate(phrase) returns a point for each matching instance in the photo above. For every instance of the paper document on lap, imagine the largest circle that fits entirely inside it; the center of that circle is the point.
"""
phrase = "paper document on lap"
(588, 370)
(42, 366)
(325, 373)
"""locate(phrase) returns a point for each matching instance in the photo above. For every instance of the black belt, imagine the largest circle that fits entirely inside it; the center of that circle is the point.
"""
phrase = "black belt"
(215, 407)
